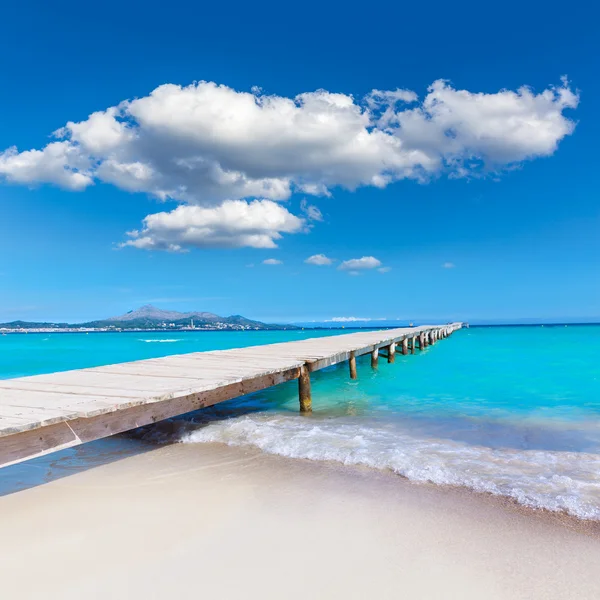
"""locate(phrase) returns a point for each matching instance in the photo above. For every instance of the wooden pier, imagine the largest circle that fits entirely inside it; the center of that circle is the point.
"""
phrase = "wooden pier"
(47, 413)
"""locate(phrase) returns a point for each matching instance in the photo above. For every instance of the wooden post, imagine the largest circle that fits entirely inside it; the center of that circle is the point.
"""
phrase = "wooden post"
(304, 390)
(422, 341)
(374, 358)
(352, 363)
(413, 343)
(392, 352)
(405, 346)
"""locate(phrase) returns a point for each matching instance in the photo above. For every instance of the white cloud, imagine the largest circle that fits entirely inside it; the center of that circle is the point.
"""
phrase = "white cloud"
(59, 163)
(448, 265)
(386, 101)
(101, 132)
(319, 260)
(272, 261)
(471, 131)
(235, 223)
(206, 145)
(379, 98)
(358, 264)
(311, 211)
(345, 319)
(384, 269)
(352, 319)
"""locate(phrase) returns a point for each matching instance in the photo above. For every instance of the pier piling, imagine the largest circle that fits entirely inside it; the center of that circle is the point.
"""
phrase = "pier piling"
(352, 363)
(304, 390)
(405, 346)
(374, 358)
(391, 352)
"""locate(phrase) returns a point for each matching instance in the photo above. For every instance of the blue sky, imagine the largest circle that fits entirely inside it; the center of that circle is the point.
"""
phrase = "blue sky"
(484, 235)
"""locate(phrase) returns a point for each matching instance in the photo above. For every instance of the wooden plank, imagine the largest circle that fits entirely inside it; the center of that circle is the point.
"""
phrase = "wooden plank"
(37, 442)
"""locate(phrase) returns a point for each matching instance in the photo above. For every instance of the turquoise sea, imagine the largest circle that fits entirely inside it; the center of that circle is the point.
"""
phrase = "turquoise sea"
(513, 411)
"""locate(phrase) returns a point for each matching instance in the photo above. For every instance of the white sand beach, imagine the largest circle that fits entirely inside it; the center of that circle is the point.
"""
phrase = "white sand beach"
(210, 521)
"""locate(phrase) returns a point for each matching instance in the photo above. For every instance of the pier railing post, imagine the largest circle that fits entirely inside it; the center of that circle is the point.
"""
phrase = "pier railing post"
(392, 352)
(304, 390)
(352, 363)
(374, 357)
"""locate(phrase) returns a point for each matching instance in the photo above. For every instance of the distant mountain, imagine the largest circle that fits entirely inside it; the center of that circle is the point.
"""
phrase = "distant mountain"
(152, 313)
(151, 317)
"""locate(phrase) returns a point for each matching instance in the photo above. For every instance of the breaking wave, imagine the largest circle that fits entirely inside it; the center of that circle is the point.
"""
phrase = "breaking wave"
(550, 479)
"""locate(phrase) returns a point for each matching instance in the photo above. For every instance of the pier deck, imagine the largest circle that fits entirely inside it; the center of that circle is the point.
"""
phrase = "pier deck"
(47, 413)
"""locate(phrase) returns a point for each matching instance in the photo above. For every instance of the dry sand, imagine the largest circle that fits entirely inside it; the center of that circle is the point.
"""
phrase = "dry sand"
(208, 521)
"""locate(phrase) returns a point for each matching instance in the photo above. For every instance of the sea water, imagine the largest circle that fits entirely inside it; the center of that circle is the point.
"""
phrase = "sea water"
(514, 411)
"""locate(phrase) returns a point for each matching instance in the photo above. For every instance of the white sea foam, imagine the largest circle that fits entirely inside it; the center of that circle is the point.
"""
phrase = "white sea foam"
(554, 480)
(161, 341)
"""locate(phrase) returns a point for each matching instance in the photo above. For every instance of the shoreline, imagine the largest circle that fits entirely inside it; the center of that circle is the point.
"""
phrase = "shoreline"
(236, 522)
(104, 452)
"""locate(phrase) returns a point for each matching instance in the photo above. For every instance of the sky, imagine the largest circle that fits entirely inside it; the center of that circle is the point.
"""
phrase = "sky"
(299, 163)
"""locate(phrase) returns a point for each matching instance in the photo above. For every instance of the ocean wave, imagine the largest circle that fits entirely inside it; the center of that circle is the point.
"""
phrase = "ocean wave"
(161, 341)
(552, 480)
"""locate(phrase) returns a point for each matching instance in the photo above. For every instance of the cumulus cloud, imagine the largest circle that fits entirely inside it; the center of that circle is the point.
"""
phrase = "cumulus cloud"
(60, 163)
(206, 145)
(272, 261)
(359, 264)
(319, 260)
(234, 223)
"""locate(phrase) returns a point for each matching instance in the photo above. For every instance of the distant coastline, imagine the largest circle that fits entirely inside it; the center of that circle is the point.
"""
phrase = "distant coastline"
(35, 330)
(183, 330)
(292, 327)
(147, 319)
(150, 319)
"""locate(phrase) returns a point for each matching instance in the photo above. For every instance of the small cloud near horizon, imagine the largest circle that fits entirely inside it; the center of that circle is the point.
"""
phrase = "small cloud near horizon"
(352, 319)
(272, 261)
(319, 260)
(354, 265)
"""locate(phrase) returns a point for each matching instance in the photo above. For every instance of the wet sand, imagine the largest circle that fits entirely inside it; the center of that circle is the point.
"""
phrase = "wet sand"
(210, 521)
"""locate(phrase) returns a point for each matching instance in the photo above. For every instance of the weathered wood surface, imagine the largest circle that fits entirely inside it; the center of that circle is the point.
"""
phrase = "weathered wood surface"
(45, 413)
